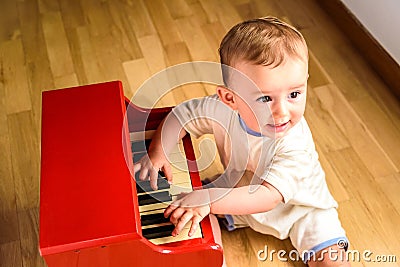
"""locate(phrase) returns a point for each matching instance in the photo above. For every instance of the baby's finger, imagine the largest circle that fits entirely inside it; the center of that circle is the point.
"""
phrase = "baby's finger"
(195, 224)
(143, 174)
(136, 167)
(184, 219)
(169, 210)
(168, 172)
(153, 178)
(176, 215)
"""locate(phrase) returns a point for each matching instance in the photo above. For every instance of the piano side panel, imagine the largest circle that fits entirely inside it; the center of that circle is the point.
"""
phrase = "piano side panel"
(86, 190)
(208, 236)
(136, 253)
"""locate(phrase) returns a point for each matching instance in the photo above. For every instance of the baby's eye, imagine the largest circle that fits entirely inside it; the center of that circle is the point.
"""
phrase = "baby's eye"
(264, 99)
(294, 95)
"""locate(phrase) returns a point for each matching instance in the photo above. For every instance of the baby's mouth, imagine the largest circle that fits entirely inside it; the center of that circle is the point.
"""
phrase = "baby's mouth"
(279, 127)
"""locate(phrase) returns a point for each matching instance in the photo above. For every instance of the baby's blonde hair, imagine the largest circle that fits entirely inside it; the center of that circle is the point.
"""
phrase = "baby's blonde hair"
(264, 41)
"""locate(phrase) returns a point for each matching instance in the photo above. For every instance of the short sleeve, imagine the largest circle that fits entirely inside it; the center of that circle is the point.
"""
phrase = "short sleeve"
(198, 116)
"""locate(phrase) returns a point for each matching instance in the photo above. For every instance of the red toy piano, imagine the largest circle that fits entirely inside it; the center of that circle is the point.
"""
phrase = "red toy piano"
(93, 211)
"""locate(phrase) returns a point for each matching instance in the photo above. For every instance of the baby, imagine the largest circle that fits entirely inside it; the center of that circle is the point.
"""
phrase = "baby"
(257, 120)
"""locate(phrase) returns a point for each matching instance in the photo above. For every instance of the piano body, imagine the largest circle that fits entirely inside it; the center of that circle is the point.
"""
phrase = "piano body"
(90, 211)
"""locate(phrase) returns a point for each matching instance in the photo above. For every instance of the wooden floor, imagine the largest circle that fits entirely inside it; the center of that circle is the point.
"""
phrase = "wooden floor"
(47, 44)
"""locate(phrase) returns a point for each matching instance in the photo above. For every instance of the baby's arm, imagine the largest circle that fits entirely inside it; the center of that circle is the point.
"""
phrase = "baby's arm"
(163, 141)
(237, 201)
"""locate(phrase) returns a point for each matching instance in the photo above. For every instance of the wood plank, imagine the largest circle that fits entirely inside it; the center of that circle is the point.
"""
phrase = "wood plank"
(9, 20)
(46, 6)
(365, 43)
(153, 53)
(57, 45)
(74, 44)
(155, 58)
(327, 134)
(25, 158)
(174, 58)
(326, 42)
(72, 14)
(178, 9)
(32, 31)
(214, 33)
(98, 16)
(222, 11)
(364, 143)
(381, 126)
(295, 9)
(10, 254)
(188, 91)
(37, 61)
(209, 8)
(142, 91)
(40, 79)
(90, 69)
(13, 76)
(140, 19)
(198, 12)
(245, 9)
(125, 41)
(29, 225)
(335, 185)
(365, 190)
(8, 211)
(354, 217)
(391, 186)
(318, 76)
(163, 22)
(237, 250)
(137, 72)
(108, 59)
(198, 47)
(69, 80)
(267, 8)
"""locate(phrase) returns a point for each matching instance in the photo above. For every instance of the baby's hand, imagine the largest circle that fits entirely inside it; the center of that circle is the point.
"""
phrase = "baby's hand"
(193, 206)
(149, 166)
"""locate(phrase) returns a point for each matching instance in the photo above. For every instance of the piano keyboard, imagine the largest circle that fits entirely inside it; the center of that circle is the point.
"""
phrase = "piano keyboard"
(152, 204)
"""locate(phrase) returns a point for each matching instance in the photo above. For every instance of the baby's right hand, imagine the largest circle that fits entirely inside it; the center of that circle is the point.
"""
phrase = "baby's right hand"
(149, 166)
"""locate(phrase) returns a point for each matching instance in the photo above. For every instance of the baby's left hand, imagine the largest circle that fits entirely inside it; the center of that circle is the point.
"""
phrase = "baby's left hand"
(193, 206)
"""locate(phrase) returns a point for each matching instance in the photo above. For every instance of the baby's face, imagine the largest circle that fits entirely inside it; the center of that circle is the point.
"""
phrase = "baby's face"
(276, 101)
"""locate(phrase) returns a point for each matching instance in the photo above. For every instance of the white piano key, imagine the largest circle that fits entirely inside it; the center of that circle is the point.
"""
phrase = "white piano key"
(183, 235)
(135, 136)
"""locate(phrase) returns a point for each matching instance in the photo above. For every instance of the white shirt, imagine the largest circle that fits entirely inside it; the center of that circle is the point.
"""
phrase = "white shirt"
(290, 163)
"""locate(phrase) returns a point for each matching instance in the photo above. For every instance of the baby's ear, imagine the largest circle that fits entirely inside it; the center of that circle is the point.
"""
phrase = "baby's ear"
(227, 96)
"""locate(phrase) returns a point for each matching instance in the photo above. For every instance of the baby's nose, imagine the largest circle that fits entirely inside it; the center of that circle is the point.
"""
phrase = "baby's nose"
(279, 109)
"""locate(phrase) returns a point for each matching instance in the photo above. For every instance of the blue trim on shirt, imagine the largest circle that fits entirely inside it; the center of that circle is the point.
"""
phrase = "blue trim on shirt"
(342, 242)
(247, 129)
(228, 222)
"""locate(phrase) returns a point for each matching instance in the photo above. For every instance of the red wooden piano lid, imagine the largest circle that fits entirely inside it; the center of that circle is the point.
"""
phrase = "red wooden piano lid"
(85, 190)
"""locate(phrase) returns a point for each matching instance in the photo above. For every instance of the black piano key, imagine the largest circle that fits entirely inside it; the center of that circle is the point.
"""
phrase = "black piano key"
(154, 198)
(158, 232)
(137, 174)
(155, 218)
(144, 186)
(138, 156)
(140, 146)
